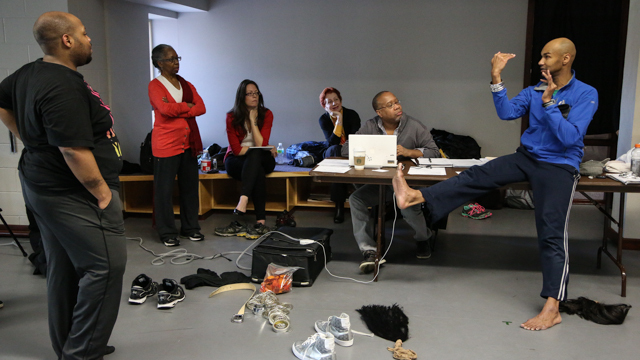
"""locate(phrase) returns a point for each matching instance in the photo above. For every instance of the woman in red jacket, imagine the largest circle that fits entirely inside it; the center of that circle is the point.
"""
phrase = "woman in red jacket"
(249, 125)
(175, 142)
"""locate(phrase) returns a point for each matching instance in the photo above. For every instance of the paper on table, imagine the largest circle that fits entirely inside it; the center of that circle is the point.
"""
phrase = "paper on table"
(334, 162)
(624, 179)
(440, 171)
(442, 162)
(332, 169)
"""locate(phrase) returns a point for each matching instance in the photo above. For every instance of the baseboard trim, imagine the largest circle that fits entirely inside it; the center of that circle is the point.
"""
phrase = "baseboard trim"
(627, 243)
(20, 231)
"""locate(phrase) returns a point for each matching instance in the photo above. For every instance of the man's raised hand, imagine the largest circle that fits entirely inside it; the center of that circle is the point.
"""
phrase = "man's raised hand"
(498, 62)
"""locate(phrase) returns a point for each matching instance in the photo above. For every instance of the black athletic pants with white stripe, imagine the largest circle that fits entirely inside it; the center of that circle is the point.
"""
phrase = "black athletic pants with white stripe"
(553, 187)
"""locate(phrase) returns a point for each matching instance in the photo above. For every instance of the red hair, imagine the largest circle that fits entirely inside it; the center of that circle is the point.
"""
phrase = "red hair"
(327, 91)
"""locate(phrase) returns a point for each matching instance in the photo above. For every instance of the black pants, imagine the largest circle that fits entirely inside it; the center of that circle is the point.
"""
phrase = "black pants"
(251, 169)
(86, 258)
(338, 191)
(165, 170)
(553, 187)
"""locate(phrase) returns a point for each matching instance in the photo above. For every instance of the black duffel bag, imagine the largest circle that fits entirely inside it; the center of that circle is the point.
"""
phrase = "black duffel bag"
(281, 250)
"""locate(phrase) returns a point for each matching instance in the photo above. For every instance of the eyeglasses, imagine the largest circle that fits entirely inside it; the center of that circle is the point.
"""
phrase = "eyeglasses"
(332, 102)
(172, 60)
(252, 94)
(390, 105)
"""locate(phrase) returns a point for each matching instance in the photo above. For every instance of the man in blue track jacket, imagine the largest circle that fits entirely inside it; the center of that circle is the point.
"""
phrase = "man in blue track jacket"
(560, 108)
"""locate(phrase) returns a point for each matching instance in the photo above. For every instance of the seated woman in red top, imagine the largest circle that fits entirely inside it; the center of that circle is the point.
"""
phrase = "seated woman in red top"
(249, 125)
(175, 142)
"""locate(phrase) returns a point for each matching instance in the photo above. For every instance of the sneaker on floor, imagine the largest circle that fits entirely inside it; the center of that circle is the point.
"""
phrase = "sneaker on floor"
(257, 230)
(142, 287)
(339, 327)
(475, 211)
(1, 304)
(319, 346)
(197, 236)
(423, 250)
(170, 294)
(171, 242)
(235, 228)
(369, 263)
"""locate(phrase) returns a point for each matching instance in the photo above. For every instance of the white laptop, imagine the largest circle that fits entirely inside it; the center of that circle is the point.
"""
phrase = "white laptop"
(381, 149)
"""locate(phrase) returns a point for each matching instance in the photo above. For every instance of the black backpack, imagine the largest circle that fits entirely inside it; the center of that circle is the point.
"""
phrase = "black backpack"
(456, 146)
(146, 155)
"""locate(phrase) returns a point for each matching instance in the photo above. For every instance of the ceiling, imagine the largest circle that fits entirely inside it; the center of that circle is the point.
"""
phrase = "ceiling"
(179, 6)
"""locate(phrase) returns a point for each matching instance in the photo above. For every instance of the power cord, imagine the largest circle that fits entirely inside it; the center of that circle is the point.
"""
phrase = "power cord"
(182, 253)
(179, 256)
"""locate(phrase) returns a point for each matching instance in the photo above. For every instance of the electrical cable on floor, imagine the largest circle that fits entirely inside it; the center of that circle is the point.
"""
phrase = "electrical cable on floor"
(178, 254)
(181, 253)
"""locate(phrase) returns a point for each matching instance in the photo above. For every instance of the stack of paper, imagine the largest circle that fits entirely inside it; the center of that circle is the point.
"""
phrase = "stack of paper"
(338, 166)
(629, 179)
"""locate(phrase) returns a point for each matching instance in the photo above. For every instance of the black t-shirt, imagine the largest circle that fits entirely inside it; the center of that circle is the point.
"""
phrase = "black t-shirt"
(54, 107)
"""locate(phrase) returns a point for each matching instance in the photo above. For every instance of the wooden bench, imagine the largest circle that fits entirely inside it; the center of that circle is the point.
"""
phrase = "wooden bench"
(287, 187)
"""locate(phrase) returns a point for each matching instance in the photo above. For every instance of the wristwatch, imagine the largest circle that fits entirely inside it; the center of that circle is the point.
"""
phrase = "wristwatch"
(549, 103)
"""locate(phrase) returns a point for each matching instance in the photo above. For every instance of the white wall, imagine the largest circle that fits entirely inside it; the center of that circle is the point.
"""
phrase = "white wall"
(17, 47)
(128, 60)
(630, 113)
(434, 55)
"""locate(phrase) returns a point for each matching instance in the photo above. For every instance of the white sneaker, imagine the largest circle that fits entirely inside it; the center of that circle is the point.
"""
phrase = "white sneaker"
(319, 346)
(339, 327)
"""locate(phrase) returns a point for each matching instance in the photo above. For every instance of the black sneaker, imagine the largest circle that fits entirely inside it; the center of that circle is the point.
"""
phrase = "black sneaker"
(171, 242)
(142, 287)
(423, 250)
(235, 228)
(256, 231)
(369, 263)
(1, 304)
(197, 236)
(170, 294)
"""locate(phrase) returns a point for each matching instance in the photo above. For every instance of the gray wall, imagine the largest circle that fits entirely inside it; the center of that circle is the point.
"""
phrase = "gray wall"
(434, 55)
(128, 60)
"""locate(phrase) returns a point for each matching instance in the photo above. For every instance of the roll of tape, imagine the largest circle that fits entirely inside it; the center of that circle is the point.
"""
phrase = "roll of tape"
(273, 317)
(281, 326)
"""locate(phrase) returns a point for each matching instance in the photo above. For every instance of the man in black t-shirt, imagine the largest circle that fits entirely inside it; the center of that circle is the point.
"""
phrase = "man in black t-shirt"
(69, 175)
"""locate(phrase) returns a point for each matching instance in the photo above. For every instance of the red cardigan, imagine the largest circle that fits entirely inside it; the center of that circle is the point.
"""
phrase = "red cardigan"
(170, 135)
(235, 137)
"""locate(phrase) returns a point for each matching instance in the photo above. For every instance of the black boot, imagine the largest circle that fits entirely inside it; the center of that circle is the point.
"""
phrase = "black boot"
(338, 218)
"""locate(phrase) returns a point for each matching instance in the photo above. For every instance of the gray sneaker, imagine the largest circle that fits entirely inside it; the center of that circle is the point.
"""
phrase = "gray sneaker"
(255, 231)
(319, 346)
(235, 228)
(339, 327)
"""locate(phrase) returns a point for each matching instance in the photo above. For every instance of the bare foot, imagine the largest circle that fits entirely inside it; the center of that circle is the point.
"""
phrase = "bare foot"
(549, 316)
(242, 203)
(405, 196)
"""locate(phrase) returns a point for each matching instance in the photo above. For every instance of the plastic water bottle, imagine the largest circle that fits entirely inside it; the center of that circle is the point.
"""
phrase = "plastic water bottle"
(205, 161)
(635, 161)
(280, 157)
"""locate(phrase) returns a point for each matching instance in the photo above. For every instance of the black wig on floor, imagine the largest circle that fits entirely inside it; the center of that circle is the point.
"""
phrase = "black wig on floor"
(594, 311)
(387, 322)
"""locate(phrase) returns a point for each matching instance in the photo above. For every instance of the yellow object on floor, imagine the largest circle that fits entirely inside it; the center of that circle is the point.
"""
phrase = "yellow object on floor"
(402, 354)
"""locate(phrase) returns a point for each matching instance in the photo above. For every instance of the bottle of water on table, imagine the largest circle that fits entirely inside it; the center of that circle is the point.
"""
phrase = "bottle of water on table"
(280, 159)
